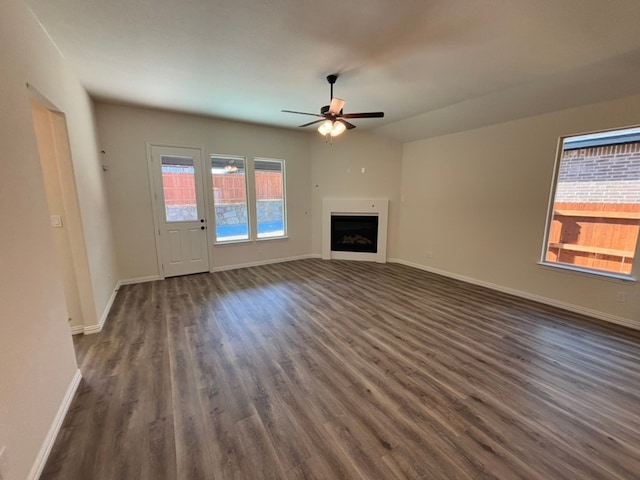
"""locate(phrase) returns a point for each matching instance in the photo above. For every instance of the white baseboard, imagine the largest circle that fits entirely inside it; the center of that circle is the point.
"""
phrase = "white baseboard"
(131, 281)
(50, 439)
(262, 262)
(529, 296)
(91, 329)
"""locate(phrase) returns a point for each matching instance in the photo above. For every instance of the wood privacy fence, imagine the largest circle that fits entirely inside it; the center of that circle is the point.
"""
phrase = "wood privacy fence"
(601, 236)
(230, 188)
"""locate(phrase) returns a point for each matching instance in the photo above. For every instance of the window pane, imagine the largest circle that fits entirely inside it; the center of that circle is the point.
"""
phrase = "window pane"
(596, 210)
(179, 187)
(230, 198)
(270, 208)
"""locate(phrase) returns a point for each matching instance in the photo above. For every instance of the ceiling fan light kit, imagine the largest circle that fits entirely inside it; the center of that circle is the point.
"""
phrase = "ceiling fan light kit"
(332, 128)
(332, 118)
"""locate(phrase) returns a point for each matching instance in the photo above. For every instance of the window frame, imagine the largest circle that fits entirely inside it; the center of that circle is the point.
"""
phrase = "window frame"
(631, 277)
(285, 222)
(247, 201)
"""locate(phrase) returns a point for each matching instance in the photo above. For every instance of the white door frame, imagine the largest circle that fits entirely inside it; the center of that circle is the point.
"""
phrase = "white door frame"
(154, 202)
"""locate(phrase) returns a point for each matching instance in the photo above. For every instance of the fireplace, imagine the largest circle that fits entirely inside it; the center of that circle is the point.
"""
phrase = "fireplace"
(355, 229)
(354, 233)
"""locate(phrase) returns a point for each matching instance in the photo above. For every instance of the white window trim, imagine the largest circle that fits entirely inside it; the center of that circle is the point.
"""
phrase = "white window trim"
(285, 222)
(567, 267)
(217, 242)
(632, 277)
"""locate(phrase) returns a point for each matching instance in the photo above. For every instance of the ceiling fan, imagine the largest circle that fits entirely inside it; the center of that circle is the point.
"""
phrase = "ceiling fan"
(332, 117)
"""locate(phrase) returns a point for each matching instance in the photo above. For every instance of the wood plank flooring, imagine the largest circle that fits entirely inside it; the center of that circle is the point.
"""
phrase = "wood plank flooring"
(348, 370)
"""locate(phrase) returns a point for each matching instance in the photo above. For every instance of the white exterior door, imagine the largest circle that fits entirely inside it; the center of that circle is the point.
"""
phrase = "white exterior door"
(180, 209)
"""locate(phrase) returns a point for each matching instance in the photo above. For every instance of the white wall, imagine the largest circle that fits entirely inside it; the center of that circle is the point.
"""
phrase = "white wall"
(337, 173)
(37, 363)
(474, 205)
(92, 197)
(124, 131)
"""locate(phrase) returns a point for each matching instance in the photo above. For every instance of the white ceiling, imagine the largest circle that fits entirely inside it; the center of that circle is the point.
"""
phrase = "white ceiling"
(433, 66)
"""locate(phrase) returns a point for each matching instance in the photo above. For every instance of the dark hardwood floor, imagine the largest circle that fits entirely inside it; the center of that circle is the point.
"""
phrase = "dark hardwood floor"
(348, 370)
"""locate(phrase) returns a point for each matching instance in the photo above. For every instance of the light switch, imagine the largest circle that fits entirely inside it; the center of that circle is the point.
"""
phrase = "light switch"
(56, 221)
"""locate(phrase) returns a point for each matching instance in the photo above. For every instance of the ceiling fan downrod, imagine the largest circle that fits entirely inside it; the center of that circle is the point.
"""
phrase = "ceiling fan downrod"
(332, 79)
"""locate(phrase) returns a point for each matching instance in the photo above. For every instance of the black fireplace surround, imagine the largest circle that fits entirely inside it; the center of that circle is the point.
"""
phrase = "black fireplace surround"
(354, 233)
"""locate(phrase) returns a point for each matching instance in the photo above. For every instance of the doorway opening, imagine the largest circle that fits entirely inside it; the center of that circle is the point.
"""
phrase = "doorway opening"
(52, 138)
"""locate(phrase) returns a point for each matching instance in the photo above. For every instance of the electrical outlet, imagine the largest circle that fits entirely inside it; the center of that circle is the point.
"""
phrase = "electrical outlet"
(622, 297)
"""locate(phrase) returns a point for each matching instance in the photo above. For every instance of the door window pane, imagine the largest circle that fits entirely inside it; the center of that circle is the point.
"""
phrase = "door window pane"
(270, 198)
(179, 187)
(229, 185)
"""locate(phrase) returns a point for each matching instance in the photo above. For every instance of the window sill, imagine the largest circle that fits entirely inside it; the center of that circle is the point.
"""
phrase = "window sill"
(266, 239)
(598, 274)
(231, 242)
(237, 242)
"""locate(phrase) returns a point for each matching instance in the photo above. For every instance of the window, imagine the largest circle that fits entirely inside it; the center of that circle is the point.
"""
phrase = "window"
(594, 218)
(179, 188)
(229, 183)
(270, 198)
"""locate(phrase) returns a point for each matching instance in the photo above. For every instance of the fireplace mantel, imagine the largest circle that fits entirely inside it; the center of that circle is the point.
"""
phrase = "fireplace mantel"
(347, 206)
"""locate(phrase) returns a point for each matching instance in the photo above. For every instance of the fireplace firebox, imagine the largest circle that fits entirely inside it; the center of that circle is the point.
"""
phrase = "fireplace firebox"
(354, 233)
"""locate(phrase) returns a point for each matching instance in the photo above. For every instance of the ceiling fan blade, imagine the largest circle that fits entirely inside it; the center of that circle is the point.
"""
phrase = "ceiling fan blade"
(336, 106)
(303, 113)
(311, 123)
(363, 115)
(350, 126)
